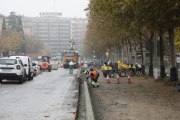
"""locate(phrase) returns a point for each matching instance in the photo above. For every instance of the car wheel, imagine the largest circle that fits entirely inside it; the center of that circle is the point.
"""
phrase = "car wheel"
(25, 77)
(122, 73)
(29, 76)
(21, 80)
(49, 68)
(32, 77)
(111, 74)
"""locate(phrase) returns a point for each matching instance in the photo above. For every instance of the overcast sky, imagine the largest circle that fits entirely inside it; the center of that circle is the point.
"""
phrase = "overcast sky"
(31, 8)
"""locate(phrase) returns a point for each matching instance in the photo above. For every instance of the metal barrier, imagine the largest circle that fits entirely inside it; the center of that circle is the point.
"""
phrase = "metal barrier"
(54, 65)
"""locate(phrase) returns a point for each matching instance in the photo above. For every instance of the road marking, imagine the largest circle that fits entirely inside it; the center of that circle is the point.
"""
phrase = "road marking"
(4, 92)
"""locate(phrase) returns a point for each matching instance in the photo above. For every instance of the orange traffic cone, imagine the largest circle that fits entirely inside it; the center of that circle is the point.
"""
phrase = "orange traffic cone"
(80, 65)
(118, 79)
(107, 80)
(129, 80)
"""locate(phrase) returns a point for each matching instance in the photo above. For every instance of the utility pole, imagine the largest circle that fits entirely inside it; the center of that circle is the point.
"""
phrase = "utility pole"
(72, 43)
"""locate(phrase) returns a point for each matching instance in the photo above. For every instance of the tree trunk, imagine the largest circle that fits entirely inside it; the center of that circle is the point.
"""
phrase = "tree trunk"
(173, 72)
(135, 55)
(162, 73)
(151, 55)
(122, 54)
(131, 57)
(142, 57)
(127, 55)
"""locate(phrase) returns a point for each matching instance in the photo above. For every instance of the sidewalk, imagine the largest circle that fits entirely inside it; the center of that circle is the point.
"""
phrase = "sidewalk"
(143, 99)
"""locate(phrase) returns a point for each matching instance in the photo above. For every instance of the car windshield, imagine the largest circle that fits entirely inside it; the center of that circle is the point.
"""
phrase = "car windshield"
(69, 54)
(40, 60)
(8, 61)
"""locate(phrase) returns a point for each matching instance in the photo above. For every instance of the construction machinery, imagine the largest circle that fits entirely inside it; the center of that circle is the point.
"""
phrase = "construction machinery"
(45, 63)
(111, 69)
(70, 55)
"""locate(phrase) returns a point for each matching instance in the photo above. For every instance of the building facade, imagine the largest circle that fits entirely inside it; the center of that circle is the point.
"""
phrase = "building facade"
(1, 21)
(56, 31)
(78, 31)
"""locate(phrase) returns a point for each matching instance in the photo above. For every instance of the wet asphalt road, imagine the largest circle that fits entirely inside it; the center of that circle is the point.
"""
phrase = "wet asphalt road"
(49, 96)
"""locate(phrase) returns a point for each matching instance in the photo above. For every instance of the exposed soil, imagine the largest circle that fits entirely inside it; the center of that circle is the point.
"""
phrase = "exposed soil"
(143, 99)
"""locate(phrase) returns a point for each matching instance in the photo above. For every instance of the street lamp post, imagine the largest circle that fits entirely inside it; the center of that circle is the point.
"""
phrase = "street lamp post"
(89, 45)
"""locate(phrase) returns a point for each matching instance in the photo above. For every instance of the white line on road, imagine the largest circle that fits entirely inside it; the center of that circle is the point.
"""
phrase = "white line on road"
(4, 92)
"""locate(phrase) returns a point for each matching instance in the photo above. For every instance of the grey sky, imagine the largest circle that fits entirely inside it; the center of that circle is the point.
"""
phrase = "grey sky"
(31, 8)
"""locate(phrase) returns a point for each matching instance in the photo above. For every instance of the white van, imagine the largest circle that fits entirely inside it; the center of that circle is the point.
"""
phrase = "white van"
(29, 68)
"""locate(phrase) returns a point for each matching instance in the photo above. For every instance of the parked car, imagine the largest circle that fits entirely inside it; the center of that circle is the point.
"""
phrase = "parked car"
(90, 63)
(29, 68)
(12, 69)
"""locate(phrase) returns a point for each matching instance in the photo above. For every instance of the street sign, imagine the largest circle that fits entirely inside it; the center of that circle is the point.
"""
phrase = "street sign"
(23, 54)
(107, 56)
(93, 51)
(13, 52)
(10, 52)
(178, 59)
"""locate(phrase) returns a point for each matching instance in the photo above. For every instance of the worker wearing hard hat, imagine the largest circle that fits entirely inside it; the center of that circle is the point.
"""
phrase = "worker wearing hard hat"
(138, 68)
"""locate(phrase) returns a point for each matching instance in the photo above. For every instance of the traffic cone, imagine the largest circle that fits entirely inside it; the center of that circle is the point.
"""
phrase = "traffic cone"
(107, 80)
(118, 79)
(129, 80)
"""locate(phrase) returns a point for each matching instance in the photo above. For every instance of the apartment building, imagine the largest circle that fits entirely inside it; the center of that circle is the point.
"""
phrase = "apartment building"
(55, 30)
(78, 31)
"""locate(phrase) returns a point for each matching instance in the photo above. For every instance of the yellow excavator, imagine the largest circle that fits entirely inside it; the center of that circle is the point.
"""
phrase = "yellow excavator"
(119, 68)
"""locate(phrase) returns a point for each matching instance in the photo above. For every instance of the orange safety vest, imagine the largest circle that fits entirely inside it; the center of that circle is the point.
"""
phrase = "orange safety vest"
(94, 74)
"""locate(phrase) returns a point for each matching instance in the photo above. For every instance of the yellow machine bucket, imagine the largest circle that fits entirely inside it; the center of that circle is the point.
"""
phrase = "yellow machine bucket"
(123, 66)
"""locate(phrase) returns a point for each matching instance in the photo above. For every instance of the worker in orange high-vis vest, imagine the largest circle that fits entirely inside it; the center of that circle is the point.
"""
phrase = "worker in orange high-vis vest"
(94, 75)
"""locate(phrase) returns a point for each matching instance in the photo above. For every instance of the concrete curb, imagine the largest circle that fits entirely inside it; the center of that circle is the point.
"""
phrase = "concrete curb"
(89, 110)
(88, 106)
(78, 74)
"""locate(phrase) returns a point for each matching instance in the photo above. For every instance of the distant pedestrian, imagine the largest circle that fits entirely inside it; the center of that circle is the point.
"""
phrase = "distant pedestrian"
(138, 68)
(71, 65)
(82, 62)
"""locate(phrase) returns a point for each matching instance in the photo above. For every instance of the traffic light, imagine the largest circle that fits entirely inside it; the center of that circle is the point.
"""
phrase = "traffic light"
(107, 54)
(94, 56)
(59, 53)
(70, 42)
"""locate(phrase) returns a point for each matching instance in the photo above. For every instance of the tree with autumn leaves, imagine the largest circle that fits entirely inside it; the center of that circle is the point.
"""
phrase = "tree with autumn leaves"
(12, 38)
(133, 22)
